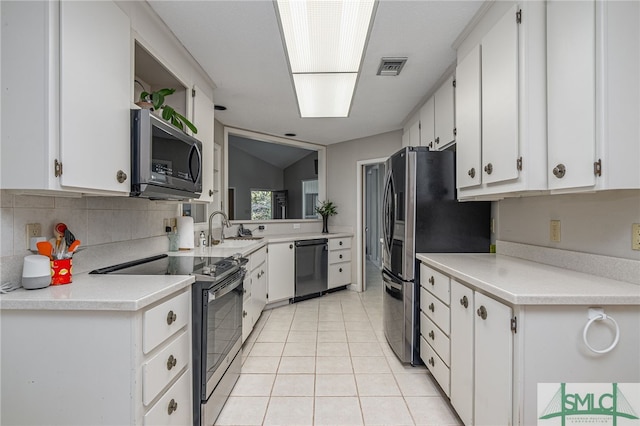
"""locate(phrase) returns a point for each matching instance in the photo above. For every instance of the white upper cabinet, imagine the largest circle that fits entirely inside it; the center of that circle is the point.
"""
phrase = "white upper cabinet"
(593, 51)
(468, 107)
(411, 135)
(72, 74)
(444, 121)
(501, 103)
(427, 124)
(203, 113)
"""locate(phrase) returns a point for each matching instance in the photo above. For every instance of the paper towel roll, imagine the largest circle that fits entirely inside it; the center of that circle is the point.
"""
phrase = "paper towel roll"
(186, 234)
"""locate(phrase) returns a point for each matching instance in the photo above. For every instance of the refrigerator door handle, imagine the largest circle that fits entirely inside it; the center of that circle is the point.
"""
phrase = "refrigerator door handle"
(391, 287)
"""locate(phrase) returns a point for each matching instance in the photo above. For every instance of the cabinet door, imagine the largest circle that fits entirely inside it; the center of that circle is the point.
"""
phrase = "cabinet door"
(95, 96)
(444, 127)
(414, 134)
(500, 140)
(281, 283)
(427, 124)
(259, 290)
(468, 120)
(571, 90)
(493, 362)
(462, 317)
(203, 120)
(406, 138)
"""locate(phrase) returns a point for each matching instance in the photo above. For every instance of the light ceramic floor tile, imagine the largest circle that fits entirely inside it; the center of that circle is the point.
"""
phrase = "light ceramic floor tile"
(261, 364)
(294, 385)
(299, 349)
(332, 349)
(385, 411)
(272, 336)
(361, 336)
(297, 365)
(254, 385)
(333, 365)
(377, 385)
(399, 367)
(332, 336)
(277, 325)
(344, 411)
(357, 325)
(266, 349)
(370, 365)
(305, 325)
(302, 336)
(417, 384)
(335, 385)
(284, 410)
(243, 410)
(331, 325)
(431, 411)
(365, 349)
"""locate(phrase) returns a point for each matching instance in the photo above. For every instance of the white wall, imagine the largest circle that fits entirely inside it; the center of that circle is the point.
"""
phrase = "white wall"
(596, 223)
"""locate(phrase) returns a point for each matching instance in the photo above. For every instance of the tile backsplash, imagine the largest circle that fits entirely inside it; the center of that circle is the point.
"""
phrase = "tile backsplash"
(112, 229)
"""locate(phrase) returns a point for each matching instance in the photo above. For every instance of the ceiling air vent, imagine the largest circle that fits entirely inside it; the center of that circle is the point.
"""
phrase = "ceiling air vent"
(391, 66)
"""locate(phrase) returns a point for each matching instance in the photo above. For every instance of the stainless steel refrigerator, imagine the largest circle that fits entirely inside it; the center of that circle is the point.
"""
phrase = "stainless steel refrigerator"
(421, 214)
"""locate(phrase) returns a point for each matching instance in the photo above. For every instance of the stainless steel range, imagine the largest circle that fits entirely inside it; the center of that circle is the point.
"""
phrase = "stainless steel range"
(217, 309)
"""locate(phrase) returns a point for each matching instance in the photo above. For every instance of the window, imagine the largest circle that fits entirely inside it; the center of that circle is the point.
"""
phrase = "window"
(309, 199)
(261, 207)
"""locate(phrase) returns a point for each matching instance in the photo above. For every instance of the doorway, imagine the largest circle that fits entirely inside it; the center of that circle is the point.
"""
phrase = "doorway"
(369, 227)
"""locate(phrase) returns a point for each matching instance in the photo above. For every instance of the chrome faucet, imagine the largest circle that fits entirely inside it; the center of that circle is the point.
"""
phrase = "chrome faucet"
(225, 222)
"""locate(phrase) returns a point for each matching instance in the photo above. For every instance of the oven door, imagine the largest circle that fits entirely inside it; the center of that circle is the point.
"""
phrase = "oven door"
(222, 339)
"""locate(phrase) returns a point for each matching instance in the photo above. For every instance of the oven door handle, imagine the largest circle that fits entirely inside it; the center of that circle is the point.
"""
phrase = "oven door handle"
(213, 295)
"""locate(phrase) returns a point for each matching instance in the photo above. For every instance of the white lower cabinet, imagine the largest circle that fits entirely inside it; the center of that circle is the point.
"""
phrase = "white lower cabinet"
(98, 367)
(281, 271)
(255, 287)
(339, 262)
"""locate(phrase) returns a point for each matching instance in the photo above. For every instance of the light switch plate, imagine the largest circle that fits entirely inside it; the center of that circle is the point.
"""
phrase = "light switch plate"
(635, 236)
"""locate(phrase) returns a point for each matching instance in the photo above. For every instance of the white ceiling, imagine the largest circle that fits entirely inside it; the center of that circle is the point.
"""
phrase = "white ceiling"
(238, 44)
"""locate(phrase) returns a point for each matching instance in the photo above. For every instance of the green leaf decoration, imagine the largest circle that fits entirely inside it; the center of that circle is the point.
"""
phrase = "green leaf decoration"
(187, 122)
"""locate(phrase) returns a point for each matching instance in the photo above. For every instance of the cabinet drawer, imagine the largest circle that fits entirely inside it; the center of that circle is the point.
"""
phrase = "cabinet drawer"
(165, 319)
(174, 408)
(339, 243)
(435, 282)
(339, 274)
(437, 367)
(337, 256)
(258, 257)
(435, 337)
(160, 370)
(437, 311)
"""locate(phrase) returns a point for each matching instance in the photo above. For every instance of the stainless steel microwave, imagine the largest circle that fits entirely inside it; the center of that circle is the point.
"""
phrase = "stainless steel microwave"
(166, 163)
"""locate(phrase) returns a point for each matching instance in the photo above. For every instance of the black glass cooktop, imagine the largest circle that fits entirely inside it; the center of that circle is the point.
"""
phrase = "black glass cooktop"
(173, 265)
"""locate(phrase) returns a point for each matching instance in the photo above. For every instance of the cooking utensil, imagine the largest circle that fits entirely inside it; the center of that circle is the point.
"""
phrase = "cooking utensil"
(72, 248)
(69, 237)
(45, 248)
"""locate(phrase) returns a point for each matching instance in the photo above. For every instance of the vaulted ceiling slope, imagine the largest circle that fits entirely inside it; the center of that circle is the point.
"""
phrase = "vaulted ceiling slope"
(238, 44)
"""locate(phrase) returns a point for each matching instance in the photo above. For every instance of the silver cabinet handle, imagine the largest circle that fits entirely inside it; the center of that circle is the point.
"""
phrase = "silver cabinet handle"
(488, 168)
(340, 256)
(173, 406)
(464, 302)
(340, 243)
(171, 362)
(432, 362)
(340, 270)
(171, 317)
(121, 176)
(482, 312)
(432, 308)
(559, 171)
(472, 172)
(432, 280)
(432, 335)
(290, 246)
(244, 314)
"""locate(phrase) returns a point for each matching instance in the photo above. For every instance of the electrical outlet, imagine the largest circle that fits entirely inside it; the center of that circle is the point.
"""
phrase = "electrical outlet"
(554, 231)
(33, 230)
(296, 226)
(635, 236)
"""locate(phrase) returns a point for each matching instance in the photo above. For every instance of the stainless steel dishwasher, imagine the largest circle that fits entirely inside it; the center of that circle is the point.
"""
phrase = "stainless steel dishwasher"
(311, 268)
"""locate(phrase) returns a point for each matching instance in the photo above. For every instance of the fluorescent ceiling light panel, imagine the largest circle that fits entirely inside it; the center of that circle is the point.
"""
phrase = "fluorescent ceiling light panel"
(325, 95)
(325, 41)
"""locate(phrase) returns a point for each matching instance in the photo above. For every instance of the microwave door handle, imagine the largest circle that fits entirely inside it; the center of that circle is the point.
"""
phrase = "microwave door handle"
(194, 149)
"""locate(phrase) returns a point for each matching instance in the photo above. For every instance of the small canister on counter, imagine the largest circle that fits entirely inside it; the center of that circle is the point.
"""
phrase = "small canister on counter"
(61, 271)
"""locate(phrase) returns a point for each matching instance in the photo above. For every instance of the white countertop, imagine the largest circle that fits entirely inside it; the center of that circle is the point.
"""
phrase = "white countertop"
(132, 292)
(522, 282)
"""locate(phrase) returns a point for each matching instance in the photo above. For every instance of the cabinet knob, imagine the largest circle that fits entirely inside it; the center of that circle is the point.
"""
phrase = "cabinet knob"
(431, 144)
(472, 172)
(464, 302)
(121, 176)
(290, 246)
(340, 270)
(432, 308)
(210, 192)
(488, 168)
(171, 362)
(171, 317)
(432, 362)
(432, 280)
(340, 243)
(559, 171)
(432, 335)
(173, 406)
(437, 140)
(340, 256)
(244, 314)
(482, 312)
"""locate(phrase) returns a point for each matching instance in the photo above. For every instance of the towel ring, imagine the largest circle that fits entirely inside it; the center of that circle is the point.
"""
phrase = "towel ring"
(600, 316)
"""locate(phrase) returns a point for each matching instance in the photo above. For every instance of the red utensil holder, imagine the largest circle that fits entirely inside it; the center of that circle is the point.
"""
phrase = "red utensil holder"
(61, 271)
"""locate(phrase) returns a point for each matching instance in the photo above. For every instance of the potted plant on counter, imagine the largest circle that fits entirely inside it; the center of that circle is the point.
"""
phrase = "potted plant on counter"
(155, 101)
(325, 209)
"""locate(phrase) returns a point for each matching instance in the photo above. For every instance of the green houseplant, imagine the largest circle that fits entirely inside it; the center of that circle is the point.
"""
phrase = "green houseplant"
(155, 101)
(325, 209)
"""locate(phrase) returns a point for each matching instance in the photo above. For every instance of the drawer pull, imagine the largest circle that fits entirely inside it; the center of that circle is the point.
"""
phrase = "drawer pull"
(488, 168)
(432, 308)
(432, 362)
(340, 256)
(171, 362)
(244, 314)
(559, 171)
(173, 406)
(340, 270)
(432, 335)
(472, 172)
(432, 280)
(171, 317)
(290, 246)
(464, 302)
(482, 312)
(340, 243)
